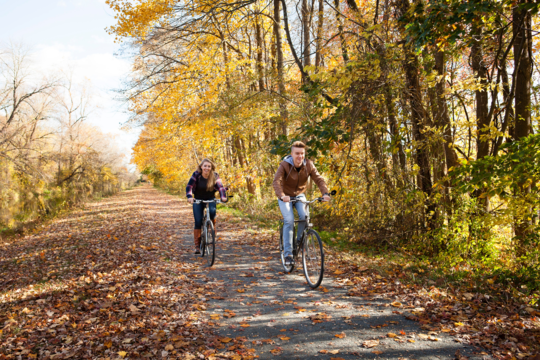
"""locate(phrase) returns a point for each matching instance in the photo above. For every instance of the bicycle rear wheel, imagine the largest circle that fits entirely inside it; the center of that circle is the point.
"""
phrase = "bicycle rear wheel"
(290, 268)
(210, 243)
(313, 258)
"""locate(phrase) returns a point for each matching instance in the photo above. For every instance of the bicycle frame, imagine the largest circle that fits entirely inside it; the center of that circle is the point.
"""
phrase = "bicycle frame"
(298, 245)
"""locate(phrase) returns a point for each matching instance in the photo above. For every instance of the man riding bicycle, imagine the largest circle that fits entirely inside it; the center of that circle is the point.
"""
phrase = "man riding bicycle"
(291, 180)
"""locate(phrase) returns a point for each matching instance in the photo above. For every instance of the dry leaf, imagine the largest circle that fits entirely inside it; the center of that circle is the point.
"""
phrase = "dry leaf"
(370, 343)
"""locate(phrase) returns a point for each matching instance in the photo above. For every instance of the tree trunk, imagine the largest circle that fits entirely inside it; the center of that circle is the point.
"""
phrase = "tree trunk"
(306, 53)
(243, 164)
(442, 117)
(281, 82)
(480, 74)
(418, 112)
(522, 125)
(320, 23)
(344, 51)
(258, 33)
(398, 159)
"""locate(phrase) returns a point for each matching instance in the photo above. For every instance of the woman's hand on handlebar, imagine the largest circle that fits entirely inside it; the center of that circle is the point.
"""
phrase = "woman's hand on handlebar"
(190, 200)
(223, 199)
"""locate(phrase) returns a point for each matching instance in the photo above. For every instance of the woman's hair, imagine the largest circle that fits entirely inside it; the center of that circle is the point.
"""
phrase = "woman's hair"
(211, 181)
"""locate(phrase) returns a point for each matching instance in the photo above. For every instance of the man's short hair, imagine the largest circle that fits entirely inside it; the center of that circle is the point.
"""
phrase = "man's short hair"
(298, 144)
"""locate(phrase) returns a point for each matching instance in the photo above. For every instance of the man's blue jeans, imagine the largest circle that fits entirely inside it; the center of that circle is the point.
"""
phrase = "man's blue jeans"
(288, 222)
(198, 213)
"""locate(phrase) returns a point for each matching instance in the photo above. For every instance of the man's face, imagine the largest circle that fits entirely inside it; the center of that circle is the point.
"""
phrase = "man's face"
(298, 155)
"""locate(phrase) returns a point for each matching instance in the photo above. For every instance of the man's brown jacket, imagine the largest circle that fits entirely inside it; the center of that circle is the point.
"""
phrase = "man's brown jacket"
(289, 182)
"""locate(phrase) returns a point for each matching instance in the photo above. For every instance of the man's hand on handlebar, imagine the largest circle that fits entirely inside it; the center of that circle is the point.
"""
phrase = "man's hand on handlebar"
(326, 198)
(286, 198)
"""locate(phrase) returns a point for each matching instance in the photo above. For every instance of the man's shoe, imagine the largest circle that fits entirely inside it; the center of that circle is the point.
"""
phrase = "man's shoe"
(197, 251)
(289, 261)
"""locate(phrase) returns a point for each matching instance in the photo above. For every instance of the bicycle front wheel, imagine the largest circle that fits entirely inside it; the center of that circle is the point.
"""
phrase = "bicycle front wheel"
(210, 243)
(287, 268)
(202, 246)
(313, 258)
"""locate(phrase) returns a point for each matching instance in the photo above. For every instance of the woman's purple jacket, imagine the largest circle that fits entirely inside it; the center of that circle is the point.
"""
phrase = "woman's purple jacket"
(192, 185)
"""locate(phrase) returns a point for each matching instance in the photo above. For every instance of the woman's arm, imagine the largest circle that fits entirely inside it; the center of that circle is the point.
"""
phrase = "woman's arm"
(191, 184)
(219, 187)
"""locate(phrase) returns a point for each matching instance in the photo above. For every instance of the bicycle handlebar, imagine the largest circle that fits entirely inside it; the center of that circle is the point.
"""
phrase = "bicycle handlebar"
(295, 199)
(217, 201)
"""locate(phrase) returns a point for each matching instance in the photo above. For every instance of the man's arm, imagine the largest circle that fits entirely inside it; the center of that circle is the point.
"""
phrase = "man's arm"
(277, 184)
(318, 179)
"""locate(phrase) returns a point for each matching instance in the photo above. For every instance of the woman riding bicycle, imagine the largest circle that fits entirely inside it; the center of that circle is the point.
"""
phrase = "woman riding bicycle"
(202, 186)
(291, 180)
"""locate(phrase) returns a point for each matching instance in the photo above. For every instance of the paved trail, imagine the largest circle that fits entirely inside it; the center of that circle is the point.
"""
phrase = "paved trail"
(281, 317)
(118, 279)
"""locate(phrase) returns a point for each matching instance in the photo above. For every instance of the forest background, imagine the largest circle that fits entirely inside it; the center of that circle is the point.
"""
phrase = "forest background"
(51, 158)
(423, 114)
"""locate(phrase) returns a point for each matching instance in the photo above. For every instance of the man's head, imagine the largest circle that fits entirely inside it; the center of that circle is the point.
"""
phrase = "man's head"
(298, 153)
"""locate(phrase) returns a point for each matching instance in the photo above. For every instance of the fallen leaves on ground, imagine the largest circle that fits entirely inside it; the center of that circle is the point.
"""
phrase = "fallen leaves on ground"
(103, 280)
(502, 322)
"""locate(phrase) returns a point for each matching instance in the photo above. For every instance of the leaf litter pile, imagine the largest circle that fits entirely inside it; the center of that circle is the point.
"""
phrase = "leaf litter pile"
(103, 282)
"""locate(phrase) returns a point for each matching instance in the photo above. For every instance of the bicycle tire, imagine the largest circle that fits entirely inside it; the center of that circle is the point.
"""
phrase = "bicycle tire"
(287, 269)
(202, 246)
(210, 243)
(313, 258)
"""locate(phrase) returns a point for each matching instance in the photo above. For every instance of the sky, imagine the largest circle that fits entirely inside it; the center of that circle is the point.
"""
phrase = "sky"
(70, 35)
